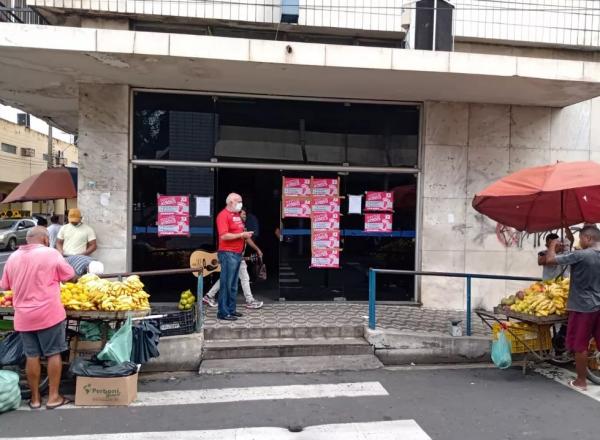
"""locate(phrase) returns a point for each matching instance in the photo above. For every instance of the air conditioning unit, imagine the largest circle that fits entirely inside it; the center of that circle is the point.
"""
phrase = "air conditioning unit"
(28, 152)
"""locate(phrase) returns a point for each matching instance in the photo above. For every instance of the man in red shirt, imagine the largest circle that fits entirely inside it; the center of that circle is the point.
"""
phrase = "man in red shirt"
(232, 237)
(34, 273)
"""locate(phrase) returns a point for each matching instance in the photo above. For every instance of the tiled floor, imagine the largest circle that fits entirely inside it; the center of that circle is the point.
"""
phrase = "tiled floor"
(417, 319)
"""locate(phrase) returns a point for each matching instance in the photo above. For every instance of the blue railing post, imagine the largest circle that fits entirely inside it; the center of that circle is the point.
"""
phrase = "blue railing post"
(468, 305)
(372, 319)
(199, 304)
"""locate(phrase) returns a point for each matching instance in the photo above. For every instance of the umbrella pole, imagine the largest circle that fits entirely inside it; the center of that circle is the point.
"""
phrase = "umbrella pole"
(562, 219)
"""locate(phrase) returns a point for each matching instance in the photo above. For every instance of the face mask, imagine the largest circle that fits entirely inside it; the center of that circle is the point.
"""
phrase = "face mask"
(238, 206)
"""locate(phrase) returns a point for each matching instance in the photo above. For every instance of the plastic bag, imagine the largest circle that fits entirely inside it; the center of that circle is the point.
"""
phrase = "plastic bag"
(118, 349)
(82, 367)
(260, 270)
(501, 351)
(10, 392)
(11, 350)
(145, 342)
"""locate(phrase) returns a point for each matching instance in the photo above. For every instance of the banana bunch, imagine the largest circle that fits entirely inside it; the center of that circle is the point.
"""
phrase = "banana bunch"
(93, 293)
(543, 299)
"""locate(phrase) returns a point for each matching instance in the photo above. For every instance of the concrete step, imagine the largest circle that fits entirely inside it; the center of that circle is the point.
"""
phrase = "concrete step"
(306, 364)
(233, 332)
(284, 347)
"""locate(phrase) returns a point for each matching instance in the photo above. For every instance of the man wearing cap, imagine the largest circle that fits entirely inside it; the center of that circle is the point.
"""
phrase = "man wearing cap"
(76, 238)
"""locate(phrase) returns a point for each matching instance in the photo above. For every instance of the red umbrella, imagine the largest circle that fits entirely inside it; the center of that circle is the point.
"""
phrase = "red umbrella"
(52, 184)
(543, 198)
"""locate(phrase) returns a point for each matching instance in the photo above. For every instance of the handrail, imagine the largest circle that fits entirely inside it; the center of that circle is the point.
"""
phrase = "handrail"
(469, 276)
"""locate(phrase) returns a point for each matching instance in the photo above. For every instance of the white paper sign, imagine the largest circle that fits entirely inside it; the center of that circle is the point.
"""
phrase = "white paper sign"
(105, 199)
(355, 204)
(202, 206)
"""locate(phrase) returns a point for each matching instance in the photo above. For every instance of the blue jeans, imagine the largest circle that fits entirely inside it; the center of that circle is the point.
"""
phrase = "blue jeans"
(230, 274)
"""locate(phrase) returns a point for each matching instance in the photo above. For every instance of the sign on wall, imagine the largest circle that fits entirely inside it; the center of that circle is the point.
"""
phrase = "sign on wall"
(379, 201)
(173, 215)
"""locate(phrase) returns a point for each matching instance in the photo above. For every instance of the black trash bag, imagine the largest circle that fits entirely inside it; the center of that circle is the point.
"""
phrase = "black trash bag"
(97, 368)
(11, 350)
(145, 342)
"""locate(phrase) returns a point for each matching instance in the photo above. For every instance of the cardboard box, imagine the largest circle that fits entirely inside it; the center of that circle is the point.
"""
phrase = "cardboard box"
(101, 391)
(85, 349)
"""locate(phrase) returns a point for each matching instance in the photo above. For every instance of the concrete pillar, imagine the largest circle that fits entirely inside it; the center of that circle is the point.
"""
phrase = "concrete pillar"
(103, 169)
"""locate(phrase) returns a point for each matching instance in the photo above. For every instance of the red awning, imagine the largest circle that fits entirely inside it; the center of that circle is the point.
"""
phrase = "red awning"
(52, 184)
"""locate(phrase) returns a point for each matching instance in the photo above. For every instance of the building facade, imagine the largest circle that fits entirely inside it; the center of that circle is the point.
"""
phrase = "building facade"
(183, 98)
(23, 153)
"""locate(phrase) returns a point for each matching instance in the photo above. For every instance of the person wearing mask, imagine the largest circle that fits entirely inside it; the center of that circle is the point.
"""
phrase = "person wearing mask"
(251, 303)
(53, 230)
(232, 238)
(34, 273)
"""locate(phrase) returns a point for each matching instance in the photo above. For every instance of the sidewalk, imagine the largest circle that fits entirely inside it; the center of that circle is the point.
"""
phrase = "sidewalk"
(389, 317)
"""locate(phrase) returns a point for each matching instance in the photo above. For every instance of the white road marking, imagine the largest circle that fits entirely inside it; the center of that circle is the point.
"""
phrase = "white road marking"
(228, 395)
(392, 430)
(563, 377)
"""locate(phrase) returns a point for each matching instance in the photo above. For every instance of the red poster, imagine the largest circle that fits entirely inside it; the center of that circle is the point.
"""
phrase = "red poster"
(379, 201)
(324, 221)
(325, 240)
(326, 204)
(325, 259)
(296, 186)
(325, 187)
(378, 222)
(296, 207)
(173, 215)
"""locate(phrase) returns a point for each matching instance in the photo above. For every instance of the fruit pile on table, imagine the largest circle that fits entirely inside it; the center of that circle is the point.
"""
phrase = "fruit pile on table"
(541, 299)
(186, 301)
(6, 299)
(92, 293)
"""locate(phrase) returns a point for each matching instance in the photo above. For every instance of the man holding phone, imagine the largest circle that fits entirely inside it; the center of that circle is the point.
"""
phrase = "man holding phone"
(232, 238)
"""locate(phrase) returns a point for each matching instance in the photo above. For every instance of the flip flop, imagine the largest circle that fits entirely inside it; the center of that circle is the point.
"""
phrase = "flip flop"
(65, 401)
(576, 387)
(31, 406)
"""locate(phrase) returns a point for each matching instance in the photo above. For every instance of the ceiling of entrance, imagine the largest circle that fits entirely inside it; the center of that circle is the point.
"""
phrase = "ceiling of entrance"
(41, 67)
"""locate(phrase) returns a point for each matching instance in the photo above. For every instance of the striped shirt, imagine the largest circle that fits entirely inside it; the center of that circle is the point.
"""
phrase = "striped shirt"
(79, 263)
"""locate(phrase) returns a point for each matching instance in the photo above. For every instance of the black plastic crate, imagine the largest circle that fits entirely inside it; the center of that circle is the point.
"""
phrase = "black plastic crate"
(176, 322)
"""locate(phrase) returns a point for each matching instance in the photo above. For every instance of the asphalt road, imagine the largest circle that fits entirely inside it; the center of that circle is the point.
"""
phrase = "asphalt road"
(445, 404)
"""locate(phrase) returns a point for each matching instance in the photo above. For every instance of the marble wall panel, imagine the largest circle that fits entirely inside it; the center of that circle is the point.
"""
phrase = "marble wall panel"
(489, 126)
(444, 224)
(530, 127)
(571, 126)
(445, 171)
(446, 123)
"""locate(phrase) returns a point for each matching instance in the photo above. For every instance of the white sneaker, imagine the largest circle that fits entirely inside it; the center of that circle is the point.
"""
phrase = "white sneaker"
(254, 305)
(210, 302)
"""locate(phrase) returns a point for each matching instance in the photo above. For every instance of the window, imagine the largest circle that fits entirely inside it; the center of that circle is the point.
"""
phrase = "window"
(7, 148)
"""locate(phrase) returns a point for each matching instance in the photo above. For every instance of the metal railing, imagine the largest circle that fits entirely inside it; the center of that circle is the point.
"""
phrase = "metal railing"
(17, 11)
(469, 277)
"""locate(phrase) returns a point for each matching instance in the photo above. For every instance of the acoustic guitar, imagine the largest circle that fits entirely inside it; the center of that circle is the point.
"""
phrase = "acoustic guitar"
(209, 262)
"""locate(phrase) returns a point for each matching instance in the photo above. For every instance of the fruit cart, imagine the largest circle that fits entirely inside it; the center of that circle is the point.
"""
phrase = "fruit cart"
(531, 336)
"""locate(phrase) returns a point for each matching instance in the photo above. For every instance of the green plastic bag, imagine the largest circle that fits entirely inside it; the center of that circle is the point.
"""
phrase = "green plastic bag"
(10, 392)
(501, 351)
(118, 348)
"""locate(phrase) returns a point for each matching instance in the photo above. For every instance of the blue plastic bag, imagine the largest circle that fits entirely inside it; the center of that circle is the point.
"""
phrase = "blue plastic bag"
(501, 351)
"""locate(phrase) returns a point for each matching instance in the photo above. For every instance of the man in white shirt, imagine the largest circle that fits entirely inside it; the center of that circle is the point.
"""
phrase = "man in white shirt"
(53, 230)
(76, 238)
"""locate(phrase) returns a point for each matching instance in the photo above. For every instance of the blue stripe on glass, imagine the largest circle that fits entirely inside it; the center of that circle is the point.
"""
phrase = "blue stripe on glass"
(353, 233)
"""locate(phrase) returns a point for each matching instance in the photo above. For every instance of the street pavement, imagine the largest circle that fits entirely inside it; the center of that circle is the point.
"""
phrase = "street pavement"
(3, 257)
(447, 403)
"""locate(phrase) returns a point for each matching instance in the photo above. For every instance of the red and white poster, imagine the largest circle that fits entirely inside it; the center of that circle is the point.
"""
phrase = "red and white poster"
(325, 204)
(296, 207)
(296, 187)
(378, 222)
(173, 215)
(325, 259)
(324, 221)
(325, 239)
(325, 187)
(379, 201)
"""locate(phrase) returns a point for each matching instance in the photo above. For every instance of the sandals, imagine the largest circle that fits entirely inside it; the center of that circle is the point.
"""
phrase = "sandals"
(576, 387)
(65, 401)
(32, 406)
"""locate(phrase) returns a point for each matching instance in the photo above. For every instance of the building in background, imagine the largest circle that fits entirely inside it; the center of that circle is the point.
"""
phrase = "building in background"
(23, 153)
(183, 97)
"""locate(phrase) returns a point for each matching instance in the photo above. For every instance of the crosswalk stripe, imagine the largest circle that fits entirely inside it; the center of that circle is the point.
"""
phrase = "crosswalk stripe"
(563, 377)
(281, 392)
(389, 430)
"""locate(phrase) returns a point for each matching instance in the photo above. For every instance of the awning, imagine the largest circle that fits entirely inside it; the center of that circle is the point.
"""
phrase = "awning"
(52, 184)
(43, 65)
